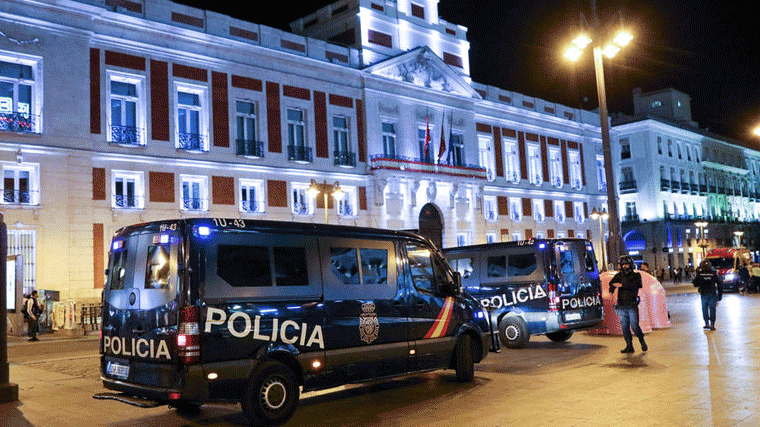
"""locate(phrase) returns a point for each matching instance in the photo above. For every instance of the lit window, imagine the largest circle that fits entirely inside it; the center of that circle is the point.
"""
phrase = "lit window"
(126, 109)
(191, 117)
(515, 208)
(297, 148)
(489, 208)
(194, 193)
(251, 196)
(485, 154)
(247, 140)
(21, 184)
(389, 140)
(555, 168)
(534, 164)
(20, 93)
(127, 190)
(343, 155)
(347, 204)
(301, 203)
(512, 165)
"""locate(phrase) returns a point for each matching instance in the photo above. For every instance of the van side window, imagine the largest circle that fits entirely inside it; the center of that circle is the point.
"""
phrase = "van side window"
(118, 270)
(344, 265)
(358, 268)
(157, 269)
(374, 266)
(290, 266)
(521, 264)
(241, 265)
(421, 267)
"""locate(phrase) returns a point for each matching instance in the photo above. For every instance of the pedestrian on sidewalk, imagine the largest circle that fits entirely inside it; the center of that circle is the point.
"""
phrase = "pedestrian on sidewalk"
(710, 285)
(624, 287)
(32, 311)
(744, 277)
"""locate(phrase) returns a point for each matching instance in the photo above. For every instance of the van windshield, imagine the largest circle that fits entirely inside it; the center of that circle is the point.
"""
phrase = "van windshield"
(721, 263)
(574, 258)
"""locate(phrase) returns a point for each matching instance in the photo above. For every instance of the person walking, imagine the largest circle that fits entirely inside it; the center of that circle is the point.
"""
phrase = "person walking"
(626, 284)
(32, 311)
(709, 284)
(744, 277)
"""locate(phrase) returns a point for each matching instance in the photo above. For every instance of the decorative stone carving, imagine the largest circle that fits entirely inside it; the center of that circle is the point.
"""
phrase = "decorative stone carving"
(432, 191)
(379, 188)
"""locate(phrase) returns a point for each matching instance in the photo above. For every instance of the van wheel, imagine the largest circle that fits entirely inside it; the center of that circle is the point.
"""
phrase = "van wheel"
(272, 395)
(559, 336)
(463, 362)
(513, 332)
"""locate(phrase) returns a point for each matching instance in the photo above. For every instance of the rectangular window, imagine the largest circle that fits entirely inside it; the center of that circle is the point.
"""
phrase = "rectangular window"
(247, 140)
(486, 157)
(559, 211)
(127, 189)
(194, 193)
(426, 147)
(534, 164)
(252, 196)
(21, 184)
(555, 168)
(297, 149)
(489, 208)
(343, 155)
(461, 239)
(601, 177)
(625, 149)
(126, 109)
(512, 165)
(580, 218)
(457, 149)
(191, 117)
(538, 210)
(576, 179)
(301, 203)
(515, 208)
(24, 243)
(418, 11)
(347, 204)
(389, 140)
(20, 94)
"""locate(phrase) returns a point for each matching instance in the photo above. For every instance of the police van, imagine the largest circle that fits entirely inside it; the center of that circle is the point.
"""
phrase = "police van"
(232, 310)
(533, 287)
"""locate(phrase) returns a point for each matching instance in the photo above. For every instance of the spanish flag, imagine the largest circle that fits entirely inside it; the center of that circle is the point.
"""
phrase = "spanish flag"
(441, 324)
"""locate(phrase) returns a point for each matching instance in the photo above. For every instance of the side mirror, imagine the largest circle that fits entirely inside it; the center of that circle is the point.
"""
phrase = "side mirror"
(107, 271)
(457, 283)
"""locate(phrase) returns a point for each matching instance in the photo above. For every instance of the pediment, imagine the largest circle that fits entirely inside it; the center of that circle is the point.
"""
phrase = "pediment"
(422, 67)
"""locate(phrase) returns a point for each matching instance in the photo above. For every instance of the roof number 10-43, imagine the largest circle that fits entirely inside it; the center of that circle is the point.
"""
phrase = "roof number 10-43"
(222, 222)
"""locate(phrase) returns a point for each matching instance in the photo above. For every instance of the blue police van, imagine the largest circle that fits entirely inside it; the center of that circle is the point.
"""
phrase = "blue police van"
(232, 310)
(533, 287)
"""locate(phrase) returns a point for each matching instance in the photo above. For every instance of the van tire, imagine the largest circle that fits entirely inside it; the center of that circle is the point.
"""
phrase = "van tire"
(559, 336)
(463, 359)
(272, 395)
(513, 332)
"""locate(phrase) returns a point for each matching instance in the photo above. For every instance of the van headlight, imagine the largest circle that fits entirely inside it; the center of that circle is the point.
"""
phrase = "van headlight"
(730, 277)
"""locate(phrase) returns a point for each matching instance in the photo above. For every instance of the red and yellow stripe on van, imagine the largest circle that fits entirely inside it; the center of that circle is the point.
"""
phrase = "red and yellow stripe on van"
(441, 324)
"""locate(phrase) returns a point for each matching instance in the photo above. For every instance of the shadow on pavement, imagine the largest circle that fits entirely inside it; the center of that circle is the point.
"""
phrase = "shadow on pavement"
(12, 416)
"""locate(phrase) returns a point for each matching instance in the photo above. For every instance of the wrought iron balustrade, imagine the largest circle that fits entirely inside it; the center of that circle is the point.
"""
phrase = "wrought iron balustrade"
(248, 147)
(18, 122)
(344, 158)
(249, 206)
(127, 201)
(191, 142)
(194, 204)
(299, 153)
(19, 197)
(127, 135)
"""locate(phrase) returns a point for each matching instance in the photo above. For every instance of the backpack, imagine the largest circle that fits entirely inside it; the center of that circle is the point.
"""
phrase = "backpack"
(24, 311)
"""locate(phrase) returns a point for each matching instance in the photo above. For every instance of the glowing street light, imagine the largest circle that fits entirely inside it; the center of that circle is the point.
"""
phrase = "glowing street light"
(326, 189)
(574, 53)
(702, 225)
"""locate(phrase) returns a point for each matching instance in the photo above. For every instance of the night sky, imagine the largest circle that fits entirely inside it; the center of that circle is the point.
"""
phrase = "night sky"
(708, 49)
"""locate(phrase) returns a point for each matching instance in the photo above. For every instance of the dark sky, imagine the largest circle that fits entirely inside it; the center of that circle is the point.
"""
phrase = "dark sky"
(708, 49)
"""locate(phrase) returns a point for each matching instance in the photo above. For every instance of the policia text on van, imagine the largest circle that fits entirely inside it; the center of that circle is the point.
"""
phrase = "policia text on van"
(533, 287)
(201, 310)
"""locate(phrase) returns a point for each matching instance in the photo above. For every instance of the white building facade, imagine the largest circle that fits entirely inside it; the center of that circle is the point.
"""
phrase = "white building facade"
(115, 112)
(674, 175)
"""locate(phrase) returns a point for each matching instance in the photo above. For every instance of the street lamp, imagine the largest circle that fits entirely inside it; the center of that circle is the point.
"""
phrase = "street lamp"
(738, 235)
(609, 50)
(326, 189)
(601, 216)
(702, 225)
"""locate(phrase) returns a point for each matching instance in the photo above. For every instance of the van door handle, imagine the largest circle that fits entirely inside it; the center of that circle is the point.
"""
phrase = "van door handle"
(420, 304)
(138, 331)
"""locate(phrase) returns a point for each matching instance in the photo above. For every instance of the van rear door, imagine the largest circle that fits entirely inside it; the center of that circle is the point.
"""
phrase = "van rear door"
(140, 303)
(579, 290)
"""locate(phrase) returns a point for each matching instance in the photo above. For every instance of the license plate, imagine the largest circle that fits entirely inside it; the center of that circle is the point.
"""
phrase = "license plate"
(117, 370)
(572, 316)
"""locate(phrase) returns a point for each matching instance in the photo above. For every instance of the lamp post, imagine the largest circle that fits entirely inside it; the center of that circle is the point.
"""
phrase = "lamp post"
(609, 50)
(738, 235)
(702, 225)
(601, 216)
(326, 189)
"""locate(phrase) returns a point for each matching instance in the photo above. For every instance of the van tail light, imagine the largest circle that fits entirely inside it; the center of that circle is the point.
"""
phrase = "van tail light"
(188, 335)
(551, 289)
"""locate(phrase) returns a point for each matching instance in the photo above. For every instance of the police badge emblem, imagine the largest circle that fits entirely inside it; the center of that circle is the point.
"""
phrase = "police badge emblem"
(369, 327)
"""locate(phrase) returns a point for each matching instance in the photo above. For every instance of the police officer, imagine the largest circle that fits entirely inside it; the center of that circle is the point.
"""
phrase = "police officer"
(710, 288)
(627, 284)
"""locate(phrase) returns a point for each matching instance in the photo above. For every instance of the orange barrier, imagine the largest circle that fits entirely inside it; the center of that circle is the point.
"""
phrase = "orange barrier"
(653, 306)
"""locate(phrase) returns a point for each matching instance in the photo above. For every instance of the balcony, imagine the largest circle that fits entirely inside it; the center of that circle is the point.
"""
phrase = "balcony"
(346, 210)
(685, 188)
(380, 161)
(299, 153)
(191, 142)
(127, 202)
(630, 218)
(250, 148)
(20, 197)
(18, 122)
(675, 186)
(664, 185)
(702, 189)
(194, 204)
(627, 187)
(694, 188)
(345, 158)
(250, 206)
(125, 135)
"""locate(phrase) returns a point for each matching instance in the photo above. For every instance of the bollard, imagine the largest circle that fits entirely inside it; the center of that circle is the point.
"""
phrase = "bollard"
(8, 391)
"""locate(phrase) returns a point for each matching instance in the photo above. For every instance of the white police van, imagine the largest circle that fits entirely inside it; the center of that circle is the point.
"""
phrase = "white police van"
(531, 287)
(231, 310)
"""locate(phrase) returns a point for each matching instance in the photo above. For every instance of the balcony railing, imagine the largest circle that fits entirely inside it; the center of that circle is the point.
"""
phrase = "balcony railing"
(127, 135)
(345, 210)
(409, 164)
(664, 185)
(251, 148)
(194, 204)
(18, 122)
(299, 153)
(344, 158)
(627, 187)
(191, 142)
(685, 188)
(675, 186)
(127, 202)
(251, 206)
(18, 197)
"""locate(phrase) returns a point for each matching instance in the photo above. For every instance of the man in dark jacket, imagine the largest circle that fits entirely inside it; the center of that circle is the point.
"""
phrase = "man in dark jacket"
(710, 288)
(626, 283)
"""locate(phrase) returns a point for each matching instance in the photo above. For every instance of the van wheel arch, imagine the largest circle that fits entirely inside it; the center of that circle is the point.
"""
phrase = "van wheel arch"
(513, 331)
(286, 359)
(272, 394)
